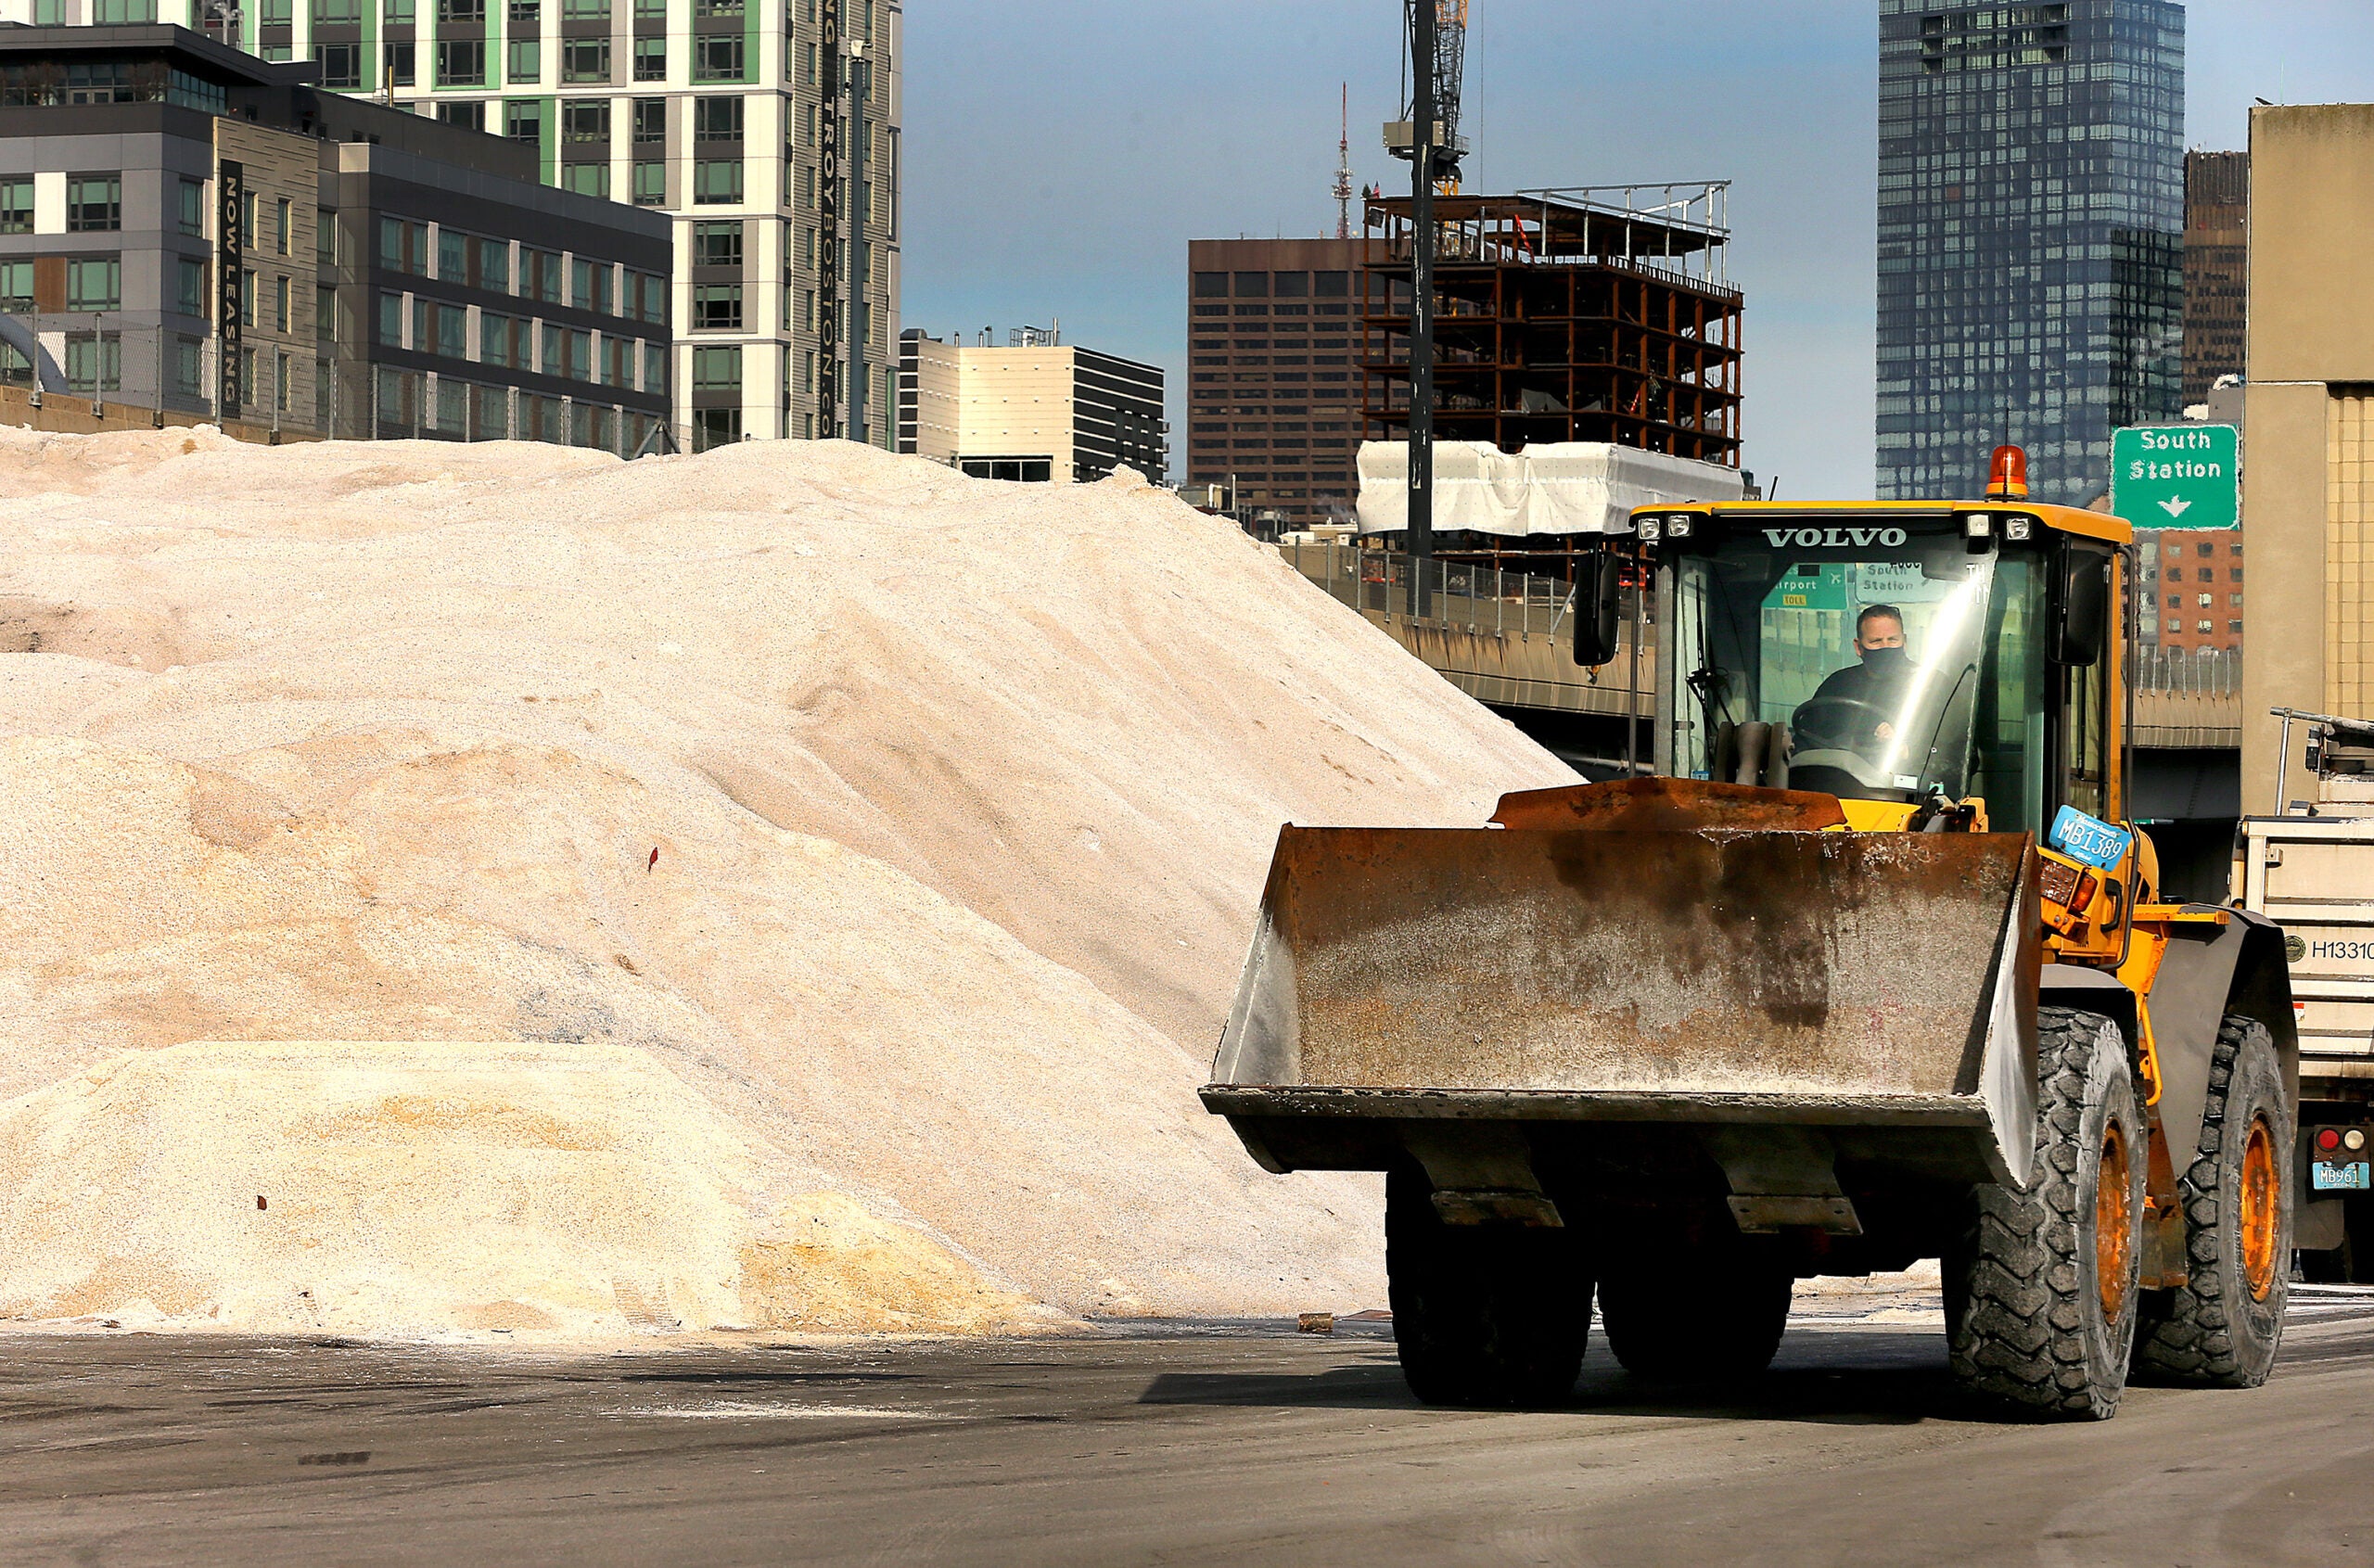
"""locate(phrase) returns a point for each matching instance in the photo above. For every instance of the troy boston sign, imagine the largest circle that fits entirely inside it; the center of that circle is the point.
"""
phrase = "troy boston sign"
(2176, 476)
(1833, 539)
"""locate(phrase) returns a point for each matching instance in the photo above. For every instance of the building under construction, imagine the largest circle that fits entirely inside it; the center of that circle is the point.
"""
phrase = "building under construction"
(1600, 313)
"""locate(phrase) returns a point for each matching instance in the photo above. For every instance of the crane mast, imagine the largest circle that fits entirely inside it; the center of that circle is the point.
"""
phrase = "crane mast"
(1429, 139)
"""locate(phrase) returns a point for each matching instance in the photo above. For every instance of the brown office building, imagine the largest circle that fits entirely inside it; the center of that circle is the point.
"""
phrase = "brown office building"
(2217, 210)
(1273, 342)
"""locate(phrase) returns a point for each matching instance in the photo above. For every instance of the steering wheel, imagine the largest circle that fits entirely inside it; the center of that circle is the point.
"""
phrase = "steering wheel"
(1834, 715)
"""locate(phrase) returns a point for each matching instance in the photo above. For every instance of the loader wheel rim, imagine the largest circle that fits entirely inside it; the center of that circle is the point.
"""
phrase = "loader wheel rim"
(2262, 1207)
(2114, 1232)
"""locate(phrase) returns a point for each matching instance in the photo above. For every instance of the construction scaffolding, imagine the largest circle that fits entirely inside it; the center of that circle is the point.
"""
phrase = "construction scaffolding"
(1589, 313)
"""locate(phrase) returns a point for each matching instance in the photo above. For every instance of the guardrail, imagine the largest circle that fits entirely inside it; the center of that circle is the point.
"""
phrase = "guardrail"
(1501, 636)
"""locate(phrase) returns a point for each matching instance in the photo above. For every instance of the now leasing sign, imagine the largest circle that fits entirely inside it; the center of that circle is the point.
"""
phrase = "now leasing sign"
(2176, 476)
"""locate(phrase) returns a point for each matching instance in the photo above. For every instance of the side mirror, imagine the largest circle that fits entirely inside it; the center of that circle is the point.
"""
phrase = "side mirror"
(1597, 586)
(2084, 607)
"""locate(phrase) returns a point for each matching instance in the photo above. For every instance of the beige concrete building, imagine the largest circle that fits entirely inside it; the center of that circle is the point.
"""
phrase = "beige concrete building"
(1035, 412)
(2310, 476)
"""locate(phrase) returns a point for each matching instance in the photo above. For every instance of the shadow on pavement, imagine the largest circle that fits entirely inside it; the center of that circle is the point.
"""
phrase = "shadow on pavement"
(1873, 1379)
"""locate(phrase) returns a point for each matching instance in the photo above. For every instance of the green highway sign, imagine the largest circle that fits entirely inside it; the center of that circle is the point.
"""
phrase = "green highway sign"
(2176, 476)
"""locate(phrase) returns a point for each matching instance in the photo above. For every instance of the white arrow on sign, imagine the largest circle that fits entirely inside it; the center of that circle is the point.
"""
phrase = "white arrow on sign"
(2176, 508)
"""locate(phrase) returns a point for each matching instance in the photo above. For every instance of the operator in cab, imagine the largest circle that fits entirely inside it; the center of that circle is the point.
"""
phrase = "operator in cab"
(1853, 709)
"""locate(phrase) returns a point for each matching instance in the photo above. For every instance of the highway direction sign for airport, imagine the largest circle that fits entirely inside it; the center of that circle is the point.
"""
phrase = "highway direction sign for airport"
(2176, 476)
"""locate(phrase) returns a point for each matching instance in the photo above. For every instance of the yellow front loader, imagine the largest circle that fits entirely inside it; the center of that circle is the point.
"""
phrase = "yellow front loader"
(1872, 970)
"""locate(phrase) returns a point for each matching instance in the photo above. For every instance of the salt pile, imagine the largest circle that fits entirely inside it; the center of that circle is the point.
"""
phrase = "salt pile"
(961, 796)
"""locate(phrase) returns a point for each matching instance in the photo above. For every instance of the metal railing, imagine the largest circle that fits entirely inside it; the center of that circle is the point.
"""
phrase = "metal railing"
(1465, 598)
(2201, 671)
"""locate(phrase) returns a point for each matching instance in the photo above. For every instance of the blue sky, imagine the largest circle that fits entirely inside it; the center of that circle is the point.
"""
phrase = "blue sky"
(1061, 153)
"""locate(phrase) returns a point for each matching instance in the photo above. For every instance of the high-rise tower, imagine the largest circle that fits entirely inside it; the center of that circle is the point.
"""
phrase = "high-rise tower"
(711, 110)
(2031, 218)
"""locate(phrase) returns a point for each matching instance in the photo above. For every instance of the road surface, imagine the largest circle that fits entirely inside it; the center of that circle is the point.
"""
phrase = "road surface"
(1224, 1443)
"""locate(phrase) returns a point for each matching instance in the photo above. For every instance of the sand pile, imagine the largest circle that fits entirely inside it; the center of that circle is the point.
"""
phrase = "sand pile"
(960, 795)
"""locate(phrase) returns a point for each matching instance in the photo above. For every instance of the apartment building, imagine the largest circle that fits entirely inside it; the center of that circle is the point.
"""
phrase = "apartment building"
(189, 229)
(707, 111)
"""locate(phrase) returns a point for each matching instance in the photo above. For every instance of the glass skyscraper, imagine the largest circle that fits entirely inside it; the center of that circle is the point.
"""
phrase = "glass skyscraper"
(2031, 208)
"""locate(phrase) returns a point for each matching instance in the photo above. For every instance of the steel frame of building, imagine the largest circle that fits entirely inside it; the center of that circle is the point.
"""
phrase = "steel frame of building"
(1591, 313)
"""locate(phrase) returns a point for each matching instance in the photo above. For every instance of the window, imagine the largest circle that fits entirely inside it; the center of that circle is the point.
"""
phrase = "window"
(494, 266)
(717, 181)
(525, 62)
(461, 62)
(326, 316)
(337, 12)
(17, 205)
(280, 383)
(283, 308)
(586, 179)
(717, 307)
(94, 361)
(190, 214)
(453, 255)
(524, 122)
(717, 8)
(540, 275)
(2234, 627)
(1209, 285)
(584, 60)
(525, 13)
(584, 120)
(651, 185)
(714, 428)
(284, 226)
(555, 358)
(189, 286)
(496, 339)
(120, 13)
(717, 245)
(391, 320)
(585, 11)
(717, 120)
(16, 288)
(651, 59)
(440, 329)
(580, 356)
(1253, 285)
(589, 285)
(94, 203)
(460, 10)
(717, 59)
(717, 369)
(342, 64)
(650, 120)
(396, 62)
(186, 367)
(274, 13)
(94, 283)
(654, 367)
(654, 306)
(399, 13)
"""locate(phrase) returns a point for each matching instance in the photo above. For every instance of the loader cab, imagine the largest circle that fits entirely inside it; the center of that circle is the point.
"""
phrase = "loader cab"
(2002, 693)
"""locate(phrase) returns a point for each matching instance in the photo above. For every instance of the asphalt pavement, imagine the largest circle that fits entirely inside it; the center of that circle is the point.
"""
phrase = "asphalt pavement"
(1214, 1443)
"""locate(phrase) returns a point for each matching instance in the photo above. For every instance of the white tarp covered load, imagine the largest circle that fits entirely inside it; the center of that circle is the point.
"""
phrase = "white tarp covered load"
(1560, 486)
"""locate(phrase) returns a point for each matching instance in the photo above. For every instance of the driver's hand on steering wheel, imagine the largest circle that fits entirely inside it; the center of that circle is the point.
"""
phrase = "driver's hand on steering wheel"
(1887, 730)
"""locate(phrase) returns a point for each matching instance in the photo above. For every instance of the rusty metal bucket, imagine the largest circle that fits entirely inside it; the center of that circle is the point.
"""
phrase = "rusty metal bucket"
(1721, 974)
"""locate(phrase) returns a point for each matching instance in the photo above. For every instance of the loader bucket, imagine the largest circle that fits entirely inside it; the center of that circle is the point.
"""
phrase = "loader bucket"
(1823, 979)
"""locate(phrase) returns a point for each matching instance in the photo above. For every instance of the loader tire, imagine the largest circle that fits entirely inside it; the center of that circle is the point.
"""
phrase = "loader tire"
(1486, 1315)
(1706, 1316)
(2221, 1328)
(2043, 1286)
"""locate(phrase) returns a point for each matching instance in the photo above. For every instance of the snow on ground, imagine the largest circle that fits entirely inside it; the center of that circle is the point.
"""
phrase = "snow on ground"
(854, 840)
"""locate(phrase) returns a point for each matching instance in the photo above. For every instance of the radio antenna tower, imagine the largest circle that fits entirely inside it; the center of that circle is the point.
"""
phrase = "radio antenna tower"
(1343, 170)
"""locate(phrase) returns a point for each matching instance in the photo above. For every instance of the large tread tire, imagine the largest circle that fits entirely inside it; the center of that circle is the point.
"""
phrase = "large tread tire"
(1490, 1315)
(2042, 1293)
(1705, 1316)
(2221, 1329)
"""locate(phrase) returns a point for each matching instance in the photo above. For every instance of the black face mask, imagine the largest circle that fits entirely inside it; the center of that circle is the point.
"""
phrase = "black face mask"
(1884, 661)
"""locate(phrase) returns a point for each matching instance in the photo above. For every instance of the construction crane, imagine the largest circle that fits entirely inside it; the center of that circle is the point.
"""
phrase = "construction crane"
(1429, 138)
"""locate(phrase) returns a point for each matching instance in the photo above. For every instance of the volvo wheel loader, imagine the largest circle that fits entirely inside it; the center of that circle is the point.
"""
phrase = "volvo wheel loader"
(1871, 970)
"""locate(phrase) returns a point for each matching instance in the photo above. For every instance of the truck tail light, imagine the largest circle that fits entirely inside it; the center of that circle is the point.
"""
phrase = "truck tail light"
(2328, 1139)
